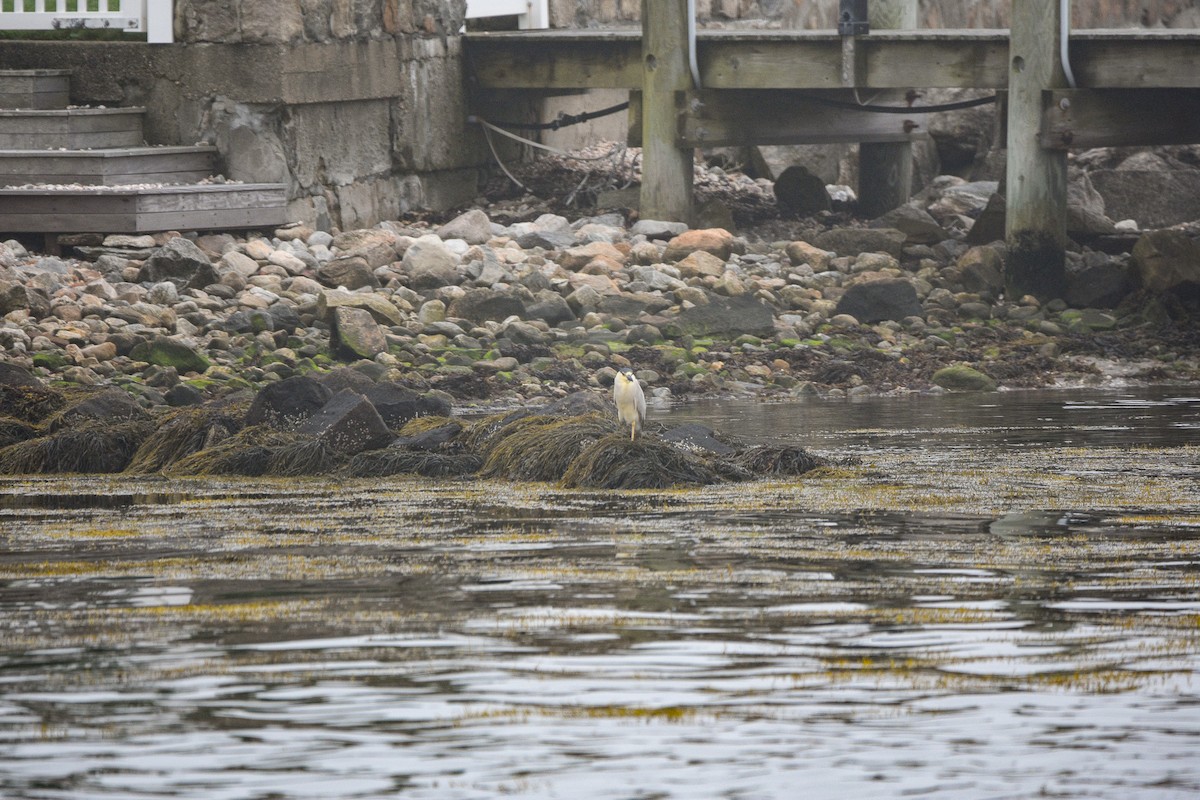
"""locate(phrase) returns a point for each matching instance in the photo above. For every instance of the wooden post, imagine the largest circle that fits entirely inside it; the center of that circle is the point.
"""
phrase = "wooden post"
(666, 168)
(1036, 179)
(885, 168)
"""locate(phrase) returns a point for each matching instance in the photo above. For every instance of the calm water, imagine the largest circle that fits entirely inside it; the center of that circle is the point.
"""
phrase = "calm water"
(1001, 599)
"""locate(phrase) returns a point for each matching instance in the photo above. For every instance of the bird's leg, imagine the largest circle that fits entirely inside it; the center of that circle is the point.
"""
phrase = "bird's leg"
(633, 432)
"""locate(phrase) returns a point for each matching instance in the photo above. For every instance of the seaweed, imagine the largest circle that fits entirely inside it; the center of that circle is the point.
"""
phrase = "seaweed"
(180, 434)
(614, 462)
(394, 461)
(308, 456)
(542, 448)
(93, 447)
(778, 460)
(247, 452)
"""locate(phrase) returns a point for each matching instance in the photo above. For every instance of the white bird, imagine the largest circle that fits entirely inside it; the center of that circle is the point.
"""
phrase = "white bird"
(631, 402)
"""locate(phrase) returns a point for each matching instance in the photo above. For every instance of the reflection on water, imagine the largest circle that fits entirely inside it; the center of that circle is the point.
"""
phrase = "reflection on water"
(1000, 602)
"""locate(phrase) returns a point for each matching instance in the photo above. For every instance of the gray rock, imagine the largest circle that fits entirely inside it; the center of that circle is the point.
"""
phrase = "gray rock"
(981, 270)
(731, 316)
(657, 229)
(356, 334)
(549, 306)
(1100, 286)
(429, 264)
(1156, 199)
(335, 380)
(473, 227)
(353, 272)
(398, 404)
(479, 305)
(182, 263)
(349, 423)
(1166, 260)
(375, 246)
(918, 226)
(876, 300)
(379, 307)
(696, 437)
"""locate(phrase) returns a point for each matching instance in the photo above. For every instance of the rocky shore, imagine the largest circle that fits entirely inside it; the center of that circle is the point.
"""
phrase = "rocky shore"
(489, 314)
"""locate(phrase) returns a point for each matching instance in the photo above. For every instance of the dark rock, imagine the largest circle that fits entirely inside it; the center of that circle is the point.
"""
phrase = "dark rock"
(335, 380)
(17, 296)
(876, 300)
(989, 225)
(802, 192)
(696, 437)
(349, 423)
(13, 375)
(284, 317)
(479, 305)
(353, 273)
(1086, 216)
(182, 263)
(728, 316)
(547, 240)
(249, 321)
(398, 404)
(183, 395)
(432, 439)
(287, 404)
(1100, 286)
(577, 404)
(629, 307)
(981, 271)
(356, 333)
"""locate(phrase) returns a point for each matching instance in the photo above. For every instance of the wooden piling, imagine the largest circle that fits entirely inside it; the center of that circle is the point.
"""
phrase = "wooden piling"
(885, 169)
(666, 167)
(1036, 178)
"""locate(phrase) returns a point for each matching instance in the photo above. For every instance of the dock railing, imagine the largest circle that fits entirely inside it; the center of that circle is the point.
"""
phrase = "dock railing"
(155, 18)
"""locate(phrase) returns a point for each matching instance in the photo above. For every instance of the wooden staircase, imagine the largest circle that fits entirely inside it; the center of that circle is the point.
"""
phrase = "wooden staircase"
(88, 170)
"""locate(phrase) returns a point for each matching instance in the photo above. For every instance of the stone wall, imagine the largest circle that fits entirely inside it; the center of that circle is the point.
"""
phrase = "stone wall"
(358, 105)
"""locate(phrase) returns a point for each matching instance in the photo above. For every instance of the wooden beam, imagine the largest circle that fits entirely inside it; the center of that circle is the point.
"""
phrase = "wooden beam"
(1036, 192)
(1083, 118)
(666, 192)
(885, 169)
(718, 119)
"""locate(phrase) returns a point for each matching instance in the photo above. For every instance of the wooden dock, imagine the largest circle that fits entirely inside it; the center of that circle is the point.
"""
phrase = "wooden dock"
(1135, 86)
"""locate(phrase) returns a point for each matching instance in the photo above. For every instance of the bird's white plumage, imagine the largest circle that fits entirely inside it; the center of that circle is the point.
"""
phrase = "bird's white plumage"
(631, 402)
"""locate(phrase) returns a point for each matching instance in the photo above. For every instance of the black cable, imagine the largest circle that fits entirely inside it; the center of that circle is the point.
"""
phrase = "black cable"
(958, 106)
(562, 121)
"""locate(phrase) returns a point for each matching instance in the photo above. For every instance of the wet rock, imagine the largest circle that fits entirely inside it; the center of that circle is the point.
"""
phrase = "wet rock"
(353, 272)
(349, 423)
(989, 225)
(801, 192)
(380, 309)
(879, 299)
(551, 307)
(183, 395)
(182, 263)
(356, 333)
(697, 438)
(285, 405)
(13, 375)
(1100, 286)
(962, 378)
(110, 406)
(1166, 260)
(339, 378)
(981, 271)
(1154, 197)
(730, 316)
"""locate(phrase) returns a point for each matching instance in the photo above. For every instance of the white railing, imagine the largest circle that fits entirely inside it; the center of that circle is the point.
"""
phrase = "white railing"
(530, 14)
(155, 18)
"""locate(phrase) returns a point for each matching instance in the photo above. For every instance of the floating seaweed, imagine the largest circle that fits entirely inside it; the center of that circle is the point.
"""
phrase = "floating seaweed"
(394, 461)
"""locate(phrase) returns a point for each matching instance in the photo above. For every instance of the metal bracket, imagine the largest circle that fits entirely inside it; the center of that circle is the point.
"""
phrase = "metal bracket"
(852, 18)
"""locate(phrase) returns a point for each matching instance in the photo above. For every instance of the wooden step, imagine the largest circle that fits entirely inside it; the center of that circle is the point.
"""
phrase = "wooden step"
(225, 206)
(35, 88)
(115, 167)
(72, 128)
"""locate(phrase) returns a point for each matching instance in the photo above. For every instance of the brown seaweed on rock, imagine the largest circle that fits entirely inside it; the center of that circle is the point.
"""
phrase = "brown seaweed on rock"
(93, 447)
(480, 437)
(182, 433)
(13, 430)
(614, 462)
(543, 448)
(778, 460)
(247, 452)
(307, 456)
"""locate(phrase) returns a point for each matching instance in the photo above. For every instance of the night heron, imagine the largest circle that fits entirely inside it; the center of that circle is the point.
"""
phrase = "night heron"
(631, 403)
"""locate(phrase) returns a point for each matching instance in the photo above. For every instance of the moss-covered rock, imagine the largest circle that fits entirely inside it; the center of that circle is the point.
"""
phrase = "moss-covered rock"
(166, 352)
(962, 378)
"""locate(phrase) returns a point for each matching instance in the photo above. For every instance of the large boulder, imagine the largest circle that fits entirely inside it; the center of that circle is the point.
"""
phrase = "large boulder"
(384, 312)
(356, 333)
(479, 305)
(352, 272)
(348, 423)
(429, 264)
(981, 270)
(1166, 260)
(852, 241)
(882, 298)
(473, 227)
(917, 225)
(397, 404)
(1099, 286)
(110, 406)
(1155, 198)
(376, 246)
(167, 352)
(801, 192)
(182, 263)
(728, 316)
(716, 241)
(285, 405)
